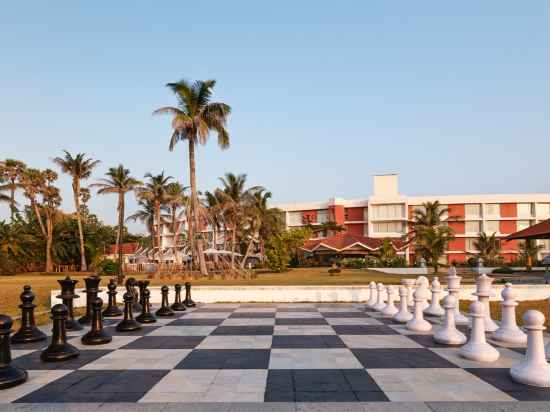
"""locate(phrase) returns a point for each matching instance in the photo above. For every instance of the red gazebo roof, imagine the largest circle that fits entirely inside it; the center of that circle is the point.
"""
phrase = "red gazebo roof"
(342, 241)
(539, 231)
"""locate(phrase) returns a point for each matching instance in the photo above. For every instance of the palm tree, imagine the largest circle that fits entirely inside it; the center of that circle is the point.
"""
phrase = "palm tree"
(32, 180)
(10, 172)
(79, 168)
(51, 200)
(192, 121)
(146, 215)
(118, 181)
(430, 215)
(488, 247)
(386, 253)
(175, 200)
(155, 190)
(432, 243)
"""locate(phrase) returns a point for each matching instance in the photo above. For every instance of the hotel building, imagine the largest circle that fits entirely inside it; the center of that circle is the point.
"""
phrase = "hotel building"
(387, 214)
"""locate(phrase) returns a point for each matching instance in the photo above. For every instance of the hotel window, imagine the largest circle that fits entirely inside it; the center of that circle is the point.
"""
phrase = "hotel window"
(473, 226)
(322, 216)
(491, 226)
(492, 209)
(525, 209)
(473, 211)
(396, 211)
(294, 218)
(388, 227)
(523, 224)
(470, 244)
(543, 210)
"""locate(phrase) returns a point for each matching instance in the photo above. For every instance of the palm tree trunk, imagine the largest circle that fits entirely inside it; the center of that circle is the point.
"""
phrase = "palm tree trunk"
(76, 194)
(176, 236)
(39, 217)
(49, 242)
(195, 206)
(248, 250)
(119, 236)
(12, 201)
(233, 241)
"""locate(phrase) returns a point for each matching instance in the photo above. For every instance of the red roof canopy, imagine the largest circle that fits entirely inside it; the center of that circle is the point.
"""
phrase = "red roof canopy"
(127, 248)
(539, 231)
(342, 241)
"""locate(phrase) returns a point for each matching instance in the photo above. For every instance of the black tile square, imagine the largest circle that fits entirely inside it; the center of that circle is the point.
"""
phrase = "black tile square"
(209, 310)
(34, 345)
(316, 396)
(500, 378)
(388, 321)
(97, 386)
(300, 321)
(252, 315)
(195, 322)
(32, 360)
(145, 330)
(226, 359)
(243, 330)
(328, 314)
(428, 341)
(364, 330)
(165, 342)
(307, 342)
(400, 358)
(299, 310)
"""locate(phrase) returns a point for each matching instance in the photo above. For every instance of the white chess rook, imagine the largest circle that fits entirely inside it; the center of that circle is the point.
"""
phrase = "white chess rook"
(403, 315)
(453, 287)
(435, 308)
(418, 323)
(483, 292)
(534, 370)
(372, 296)
(448, 334)
(380, 297)
(508, 331)
(477, 348)
(390, 309)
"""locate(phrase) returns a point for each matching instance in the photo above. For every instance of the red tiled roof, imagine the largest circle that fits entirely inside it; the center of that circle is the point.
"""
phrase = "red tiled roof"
(539, 231)
(342, 241)
(127, 248)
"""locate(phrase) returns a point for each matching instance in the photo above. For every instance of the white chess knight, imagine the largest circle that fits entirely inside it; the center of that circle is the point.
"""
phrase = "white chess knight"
(453, 287)
(372, 297)
(534, 370)
(418, 323)
(508, 331)
(483, 292)
(390, 309)
(477, 348)
(435, 308)
(380, 297)
(403, 315)
(448, 334)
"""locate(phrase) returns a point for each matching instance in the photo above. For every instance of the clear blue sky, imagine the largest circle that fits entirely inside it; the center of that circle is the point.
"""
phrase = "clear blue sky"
(324, 94)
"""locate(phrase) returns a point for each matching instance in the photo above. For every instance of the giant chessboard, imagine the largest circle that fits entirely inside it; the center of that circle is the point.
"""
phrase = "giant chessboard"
(269, 353)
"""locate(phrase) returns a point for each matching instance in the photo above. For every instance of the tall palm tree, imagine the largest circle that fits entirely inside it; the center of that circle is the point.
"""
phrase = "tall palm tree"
(176, 199)
(256, 212)
(32, 180)
(10, 172)
(155, 190)
(192, 121)
(432, 244)
(51, 200)
(118, 181)
(79, 168)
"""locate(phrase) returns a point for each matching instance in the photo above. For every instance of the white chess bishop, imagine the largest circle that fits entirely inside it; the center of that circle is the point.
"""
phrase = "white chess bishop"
(435, 308)
(508, 331)
(380, 297)
(418, 323)
(477, 348)
(372, 297)
(448, 334)
(534, 370)
(390, 309)
(483, 292)
(403, 315)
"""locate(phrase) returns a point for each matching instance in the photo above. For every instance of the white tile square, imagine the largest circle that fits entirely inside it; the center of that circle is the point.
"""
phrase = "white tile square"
(378, 342)
(236, 342)
(116, 343)
(508, 358)
(313, 359)
(308, 330)
(138, 359)
(183, 331)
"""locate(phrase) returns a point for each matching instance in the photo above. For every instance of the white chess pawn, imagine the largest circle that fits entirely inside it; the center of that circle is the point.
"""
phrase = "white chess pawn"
(403, 315)
(453, 286)
(390, 309)
(548, 344)
(477, 348)
(534, 370)
(418, 323)
(435, 308)
(509, 331)
(380, 297)
(409, 284)
(483, 292)
(448, 334)
(423, 282)
(372, 298)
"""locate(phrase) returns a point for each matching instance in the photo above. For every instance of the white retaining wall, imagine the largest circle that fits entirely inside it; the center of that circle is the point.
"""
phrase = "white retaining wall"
(358, 293)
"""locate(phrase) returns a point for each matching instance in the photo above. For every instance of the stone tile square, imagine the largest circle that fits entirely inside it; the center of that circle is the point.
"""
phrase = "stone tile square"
(336, 307)
(226, 385)
(226, 359)
(220, 306)
(500, 378)
(165, 342)
(243, 330)
(297, 308)
(196, 322)
(364, 330)
(298, 315)
(353, 314)
(428, 384)
(378, 341)
(236, 342)
(212, 309)
(17, 353)
(428, 341)
(258, 309)
(145, 330)
(508, 358)
(400, 358)
(402, 330)
(249, 322)
(300, 321)
(313, 359)
(140, 359)
(183, 331)
(302, 330)
(31, 345)
(252, 315)
(97, 386)
(207, 315)
(116, 343)
(353, 321)
(36, 379)
(307, 342)
(32, 361)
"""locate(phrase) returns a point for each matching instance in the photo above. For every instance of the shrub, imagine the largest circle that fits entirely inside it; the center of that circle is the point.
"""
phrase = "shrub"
(503, 271)
(108, 267)
(357, 263)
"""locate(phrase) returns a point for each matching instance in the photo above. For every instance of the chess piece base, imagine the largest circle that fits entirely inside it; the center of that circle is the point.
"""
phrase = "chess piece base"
(11, 376)
(379, 307)
(189, 303)
(448, 337)
(148, 318)
(128, 326)
(178, 307)
(531, 375)
(58, 353)
(479, 352)
(434, 311)
(166, 312)
(510, 336)
(27, 335)
(419, 325)
(389, 311)
(112, 312)
(403, 317)
(98, 338)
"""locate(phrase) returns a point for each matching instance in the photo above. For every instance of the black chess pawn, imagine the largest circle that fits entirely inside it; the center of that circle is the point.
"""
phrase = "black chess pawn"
(59, 349)
(9, 374)
(112, 310)
(146, 316)
(188, 301)
(131, 284)
(28, 332)
(68, 296)
(97, 335)
(92, 289)
(164, 309)
(178, 306)
(128, 324)
(142, 285)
